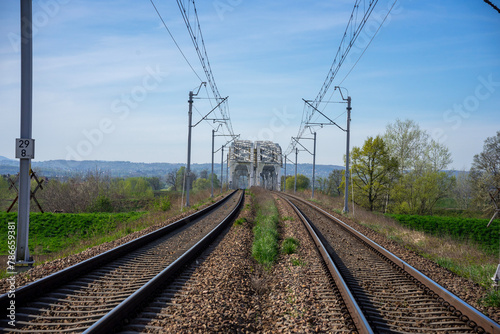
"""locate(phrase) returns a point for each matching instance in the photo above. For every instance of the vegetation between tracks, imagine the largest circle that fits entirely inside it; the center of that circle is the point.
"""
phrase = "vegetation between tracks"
(289, 245)
(265, 245)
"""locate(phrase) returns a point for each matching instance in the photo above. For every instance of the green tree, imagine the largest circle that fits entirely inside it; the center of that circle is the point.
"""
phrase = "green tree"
(4, 187)
(321, 184)
(216, 180)
(413, 147)
(420, 182)
(372, 171)
(201, 184)
(485, 173)
(334, 183)
(154, 182)
(302, 182)
(405, 141)
(462, 191)
(137, 187)
(171, 180)
(204, 174)
(418, 191)
(180, 179)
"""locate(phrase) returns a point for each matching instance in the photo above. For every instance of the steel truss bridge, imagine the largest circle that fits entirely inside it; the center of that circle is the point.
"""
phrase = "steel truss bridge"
(255, 164)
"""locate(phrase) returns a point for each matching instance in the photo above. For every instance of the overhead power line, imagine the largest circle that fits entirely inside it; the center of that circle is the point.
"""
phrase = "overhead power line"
(492, 5)
(359, 16)
(175, 42)
(351, 33)
(370, 42)
(196, 35)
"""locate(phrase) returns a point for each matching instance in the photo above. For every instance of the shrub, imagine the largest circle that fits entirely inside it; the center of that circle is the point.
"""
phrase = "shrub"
(162, 203)
(102, 204)
(475, 230)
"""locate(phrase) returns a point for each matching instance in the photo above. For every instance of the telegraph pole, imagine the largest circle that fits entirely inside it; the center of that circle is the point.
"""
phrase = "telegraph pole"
(295, 181)
(314, 165)
(190, 126)
(25, 145)
(284, 187)
(212, 175)
(346, 191)
(346, 194)
(227, 172)
(221, 168)
(188, 171)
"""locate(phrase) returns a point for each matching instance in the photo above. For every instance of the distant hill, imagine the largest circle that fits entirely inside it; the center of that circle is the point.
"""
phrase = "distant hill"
(67, 168)
(2, 158)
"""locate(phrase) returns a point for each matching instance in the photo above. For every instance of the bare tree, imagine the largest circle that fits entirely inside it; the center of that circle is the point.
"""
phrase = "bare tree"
(462, 192)
(334, 182)
(406, 142)
(172, 179)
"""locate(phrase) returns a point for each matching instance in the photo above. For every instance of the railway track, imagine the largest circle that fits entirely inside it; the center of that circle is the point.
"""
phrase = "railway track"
(383, 293)
(95, 296)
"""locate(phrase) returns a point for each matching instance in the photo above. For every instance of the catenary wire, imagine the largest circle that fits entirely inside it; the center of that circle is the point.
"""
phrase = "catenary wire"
(492, 5)
(352, 31)
(370, 42)
(175, 42)
(196, 36)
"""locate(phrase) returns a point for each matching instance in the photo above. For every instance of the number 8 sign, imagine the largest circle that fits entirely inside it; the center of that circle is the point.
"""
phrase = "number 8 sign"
(25, 148)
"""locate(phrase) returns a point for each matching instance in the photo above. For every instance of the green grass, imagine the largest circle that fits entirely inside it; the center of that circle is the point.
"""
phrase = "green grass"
(49, 232)
(475, 230)
(298, 262)
(289, 245)
(240, 221)
(476, 272)
(491, 299)
(265, 245)
(480, 274)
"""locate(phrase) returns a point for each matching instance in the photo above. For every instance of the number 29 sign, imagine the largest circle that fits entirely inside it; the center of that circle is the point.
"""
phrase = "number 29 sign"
(25, 148)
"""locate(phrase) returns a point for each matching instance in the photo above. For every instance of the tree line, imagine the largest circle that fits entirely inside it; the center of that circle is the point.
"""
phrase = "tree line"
(403, 171)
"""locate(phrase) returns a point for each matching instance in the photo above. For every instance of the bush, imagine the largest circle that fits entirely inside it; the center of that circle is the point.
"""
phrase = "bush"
(102, 204)
(475, 230)
(162, 203)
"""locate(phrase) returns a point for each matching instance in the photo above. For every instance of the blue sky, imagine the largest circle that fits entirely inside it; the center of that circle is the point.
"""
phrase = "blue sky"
(437, 63)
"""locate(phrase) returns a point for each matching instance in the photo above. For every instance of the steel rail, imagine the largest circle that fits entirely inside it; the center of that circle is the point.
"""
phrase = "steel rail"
(28, 292)
(454, 303)
(114, 319)
(355, 311)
